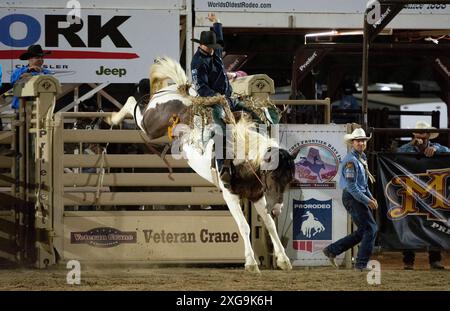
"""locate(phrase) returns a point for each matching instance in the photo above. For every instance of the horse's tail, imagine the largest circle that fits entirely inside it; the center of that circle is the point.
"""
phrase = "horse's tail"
(164, 69)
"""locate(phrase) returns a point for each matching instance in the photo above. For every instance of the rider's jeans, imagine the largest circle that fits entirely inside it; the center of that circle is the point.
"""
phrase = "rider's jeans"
(219, 135)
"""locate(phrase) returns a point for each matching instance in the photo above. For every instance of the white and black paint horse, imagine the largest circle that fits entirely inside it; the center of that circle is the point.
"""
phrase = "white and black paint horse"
(264, 188)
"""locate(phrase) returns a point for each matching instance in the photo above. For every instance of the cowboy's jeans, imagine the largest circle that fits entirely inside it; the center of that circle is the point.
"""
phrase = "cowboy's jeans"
(218, 115)
(409, 256)
(366, 233)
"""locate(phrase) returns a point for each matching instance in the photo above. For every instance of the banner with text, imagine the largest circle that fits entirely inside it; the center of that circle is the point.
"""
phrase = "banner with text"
(116, 46)
(168, 236)
(413, 194)
(308, 6)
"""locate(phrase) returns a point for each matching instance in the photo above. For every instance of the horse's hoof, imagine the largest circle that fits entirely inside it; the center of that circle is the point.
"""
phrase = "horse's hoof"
(284, 264)
(252, 269)
(108, 120)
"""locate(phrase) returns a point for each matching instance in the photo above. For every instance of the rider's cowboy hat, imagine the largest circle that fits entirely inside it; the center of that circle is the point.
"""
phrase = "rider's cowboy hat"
(33, 51)
(358, 133)
(425, 125)
(209, 39)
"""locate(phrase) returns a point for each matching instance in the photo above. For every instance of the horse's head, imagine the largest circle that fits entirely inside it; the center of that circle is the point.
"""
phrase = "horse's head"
(308, 214)
(277, 180)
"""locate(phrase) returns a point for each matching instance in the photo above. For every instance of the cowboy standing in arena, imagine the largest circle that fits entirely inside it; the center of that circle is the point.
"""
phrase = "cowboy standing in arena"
(358, 201)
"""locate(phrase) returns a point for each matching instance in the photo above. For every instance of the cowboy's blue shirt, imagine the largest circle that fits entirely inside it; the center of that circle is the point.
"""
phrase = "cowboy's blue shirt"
(409, 148)
(16, 76)
(353, 177)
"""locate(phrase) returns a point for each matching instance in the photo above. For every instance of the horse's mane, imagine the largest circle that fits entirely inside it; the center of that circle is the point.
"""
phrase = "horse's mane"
(164, 69)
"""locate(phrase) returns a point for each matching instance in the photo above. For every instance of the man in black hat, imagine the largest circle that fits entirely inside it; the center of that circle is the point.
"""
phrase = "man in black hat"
(35, 57)
(208, 71)
(210, 79)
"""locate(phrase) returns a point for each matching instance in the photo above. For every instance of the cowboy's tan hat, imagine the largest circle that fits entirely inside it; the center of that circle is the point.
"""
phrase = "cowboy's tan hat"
(425, 125)
(358, 133)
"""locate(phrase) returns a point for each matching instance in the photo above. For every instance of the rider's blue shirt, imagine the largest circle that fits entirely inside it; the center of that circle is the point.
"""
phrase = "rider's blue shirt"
(208, 71)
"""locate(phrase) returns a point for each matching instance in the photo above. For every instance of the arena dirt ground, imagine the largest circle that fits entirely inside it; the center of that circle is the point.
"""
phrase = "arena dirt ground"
(139, 277)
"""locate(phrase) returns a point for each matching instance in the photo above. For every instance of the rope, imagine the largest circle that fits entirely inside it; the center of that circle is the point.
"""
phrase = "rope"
(161, 155)
(200, 107)
(258, 106)
(254, 173)
(102, 175)
(100, 180)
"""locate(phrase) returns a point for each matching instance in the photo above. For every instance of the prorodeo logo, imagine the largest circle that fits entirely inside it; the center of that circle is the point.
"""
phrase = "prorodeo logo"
(406, 193)
(102, 237)
(312, 224)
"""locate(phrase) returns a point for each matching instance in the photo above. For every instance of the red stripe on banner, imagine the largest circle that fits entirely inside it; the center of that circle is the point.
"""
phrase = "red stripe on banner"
(309, 246)
(14, 54)
(306, 246)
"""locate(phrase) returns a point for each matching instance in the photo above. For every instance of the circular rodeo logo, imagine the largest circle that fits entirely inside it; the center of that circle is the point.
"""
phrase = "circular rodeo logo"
(103, 237)
(316, 165)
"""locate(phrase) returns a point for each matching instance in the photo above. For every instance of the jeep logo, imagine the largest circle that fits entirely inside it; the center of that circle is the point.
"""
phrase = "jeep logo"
(111, 71)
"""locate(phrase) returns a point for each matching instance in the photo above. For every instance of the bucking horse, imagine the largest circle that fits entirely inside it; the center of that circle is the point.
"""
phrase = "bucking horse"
(255, 178)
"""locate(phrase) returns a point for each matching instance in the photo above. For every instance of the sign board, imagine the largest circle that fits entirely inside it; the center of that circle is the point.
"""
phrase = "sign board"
(322, 14)
(308, 6)
(193, 236)
(116, 46)
(313, 216)
(96, 4)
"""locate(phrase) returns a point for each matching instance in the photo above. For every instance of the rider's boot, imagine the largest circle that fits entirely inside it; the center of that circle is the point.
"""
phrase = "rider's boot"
(272, 115)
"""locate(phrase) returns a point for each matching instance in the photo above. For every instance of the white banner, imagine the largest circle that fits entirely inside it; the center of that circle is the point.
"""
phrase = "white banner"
(308, 6)
(313, 216)
(116, 46)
